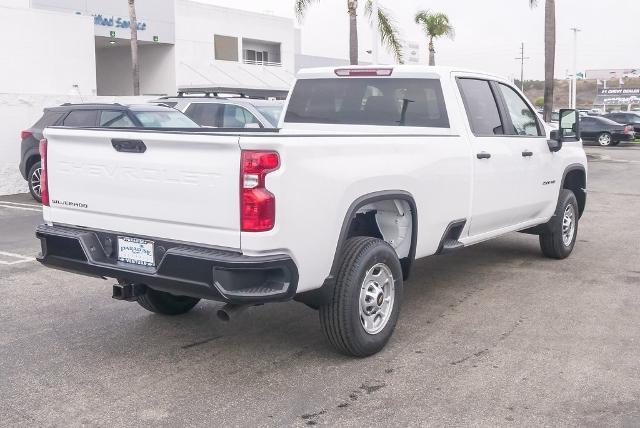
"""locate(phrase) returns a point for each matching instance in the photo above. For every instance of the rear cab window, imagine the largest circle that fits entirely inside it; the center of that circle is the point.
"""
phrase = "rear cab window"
(369, 101)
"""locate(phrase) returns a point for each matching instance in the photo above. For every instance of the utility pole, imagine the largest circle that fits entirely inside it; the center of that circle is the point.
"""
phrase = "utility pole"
(374, 31)
(522, 58)
(574, 87)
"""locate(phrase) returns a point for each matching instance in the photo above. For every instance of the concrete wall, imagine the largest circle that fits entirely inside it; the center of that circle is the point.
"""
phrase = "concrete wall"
(46, 53)
(157, 70)
(158, 15)
(20, 111)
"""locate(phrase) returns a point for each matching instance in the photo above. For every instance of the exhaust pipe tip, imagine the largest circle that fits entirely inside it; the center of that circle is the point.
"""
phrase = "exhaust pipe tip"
(229, 311)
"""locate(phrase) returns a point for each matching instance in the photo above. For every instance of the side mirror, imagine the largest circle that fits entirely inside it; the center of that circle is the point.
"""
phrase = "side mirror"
(555, 141)
(569, 125)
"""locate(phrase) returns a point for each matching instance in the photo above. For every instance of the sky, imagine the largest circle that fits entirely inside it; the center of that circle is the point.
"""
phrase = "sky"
(488, 32)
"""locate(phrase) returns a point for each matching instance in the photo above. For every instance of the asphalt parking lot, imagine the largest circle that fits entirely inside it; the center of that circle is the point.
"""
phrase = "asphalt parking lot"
(494, 335)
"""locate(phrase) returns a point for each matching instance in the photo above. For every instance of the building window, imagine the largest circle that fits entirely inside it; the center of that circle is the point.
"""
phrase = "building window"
(260, 52)
(226, 48)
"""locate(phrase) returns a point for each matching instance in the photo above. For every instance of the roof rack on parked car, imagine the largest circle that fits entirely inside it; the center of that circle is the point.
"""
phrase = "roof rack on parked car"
(229, 92)
(92, 104)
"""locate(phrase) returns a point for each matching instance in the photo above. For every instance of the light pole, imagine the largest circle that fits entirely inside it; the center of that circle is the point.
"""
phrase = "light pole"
(522, 58)
(574, 90)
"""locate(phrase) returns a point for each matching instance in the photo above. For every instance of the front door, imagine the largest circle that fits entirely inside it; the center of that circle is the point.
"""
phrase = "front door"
(538, 165)
(498, 199)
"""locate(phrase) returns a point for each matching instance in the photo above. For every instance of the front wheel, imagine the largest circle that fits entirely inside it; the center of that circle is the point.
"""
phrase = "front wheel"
(604, 139)
(160, 302)
(365, 305)
(562, 230)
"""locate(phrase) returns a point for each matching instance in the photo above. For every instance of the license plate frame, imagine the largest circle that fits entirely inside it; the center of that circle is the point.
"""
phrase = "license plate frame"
(136, 251)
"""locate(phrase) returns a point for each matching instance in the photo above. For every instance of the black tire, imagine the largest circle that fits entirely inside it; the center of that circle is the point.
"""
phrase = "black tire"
(160, 302)
(34, 187)
(552, 242)
(604, 136)
(340, 318)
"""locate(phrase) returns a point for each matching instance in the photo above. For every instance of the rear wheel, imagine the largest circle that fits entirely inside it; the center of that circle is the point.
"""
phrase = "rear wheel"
(604, 139)
(35, 173)
(562, 229)
(365, 305)
(160, 302)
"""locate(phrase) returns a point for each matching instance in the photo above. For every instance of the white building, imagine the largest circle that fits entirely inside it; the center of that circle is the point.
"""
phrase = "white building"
(85, 46)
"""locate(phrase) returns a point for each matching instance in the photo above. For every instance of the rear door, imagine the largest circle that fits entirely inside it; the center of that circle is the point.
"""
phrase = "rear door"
(181, 186)
(498, 198)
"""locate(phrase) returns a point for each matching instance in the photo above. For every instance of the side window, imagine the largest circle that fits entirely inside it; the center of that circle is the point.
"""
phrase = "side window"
(237, 117)
(481, 107)
(205, 114)
(115, 119)
(81, 118)
(523, 118)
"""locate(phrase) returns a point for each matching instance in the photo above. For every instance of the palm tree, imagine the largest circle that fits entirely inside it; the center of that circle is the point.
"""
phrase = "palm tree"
(389, 34)
(134, 47)
(549, 54)
(434, 25)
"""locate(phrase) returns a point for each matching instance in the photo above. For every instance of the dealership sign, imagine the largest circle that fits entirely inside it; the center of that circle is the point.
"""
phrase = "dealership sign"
(618, 96)
(117, 22)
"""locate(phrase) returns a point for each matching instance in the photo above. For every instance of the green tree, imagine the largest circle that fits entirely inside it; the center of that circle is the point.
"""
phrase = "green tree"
(539, 102)
(434, 25)
(388, 32)
(549, 54)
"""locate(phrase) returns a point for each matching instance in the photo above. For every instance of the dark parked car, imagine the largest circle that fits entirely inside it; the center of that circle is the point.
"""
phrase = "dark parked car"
(91, 116)
(626, 118)
(605, 131)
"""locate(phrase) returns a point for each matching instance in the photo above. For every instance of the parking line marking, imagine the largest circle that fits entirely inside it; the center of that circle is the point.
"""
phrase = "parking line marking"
(23, 259)
(20, 204)
(2, 204)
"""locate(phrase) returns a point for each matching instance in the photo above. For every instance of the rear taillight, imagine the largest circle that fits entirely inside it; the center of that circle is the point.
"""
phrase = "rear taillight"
(257, 204)
(44, 179)
(25, 134)
(628, 129)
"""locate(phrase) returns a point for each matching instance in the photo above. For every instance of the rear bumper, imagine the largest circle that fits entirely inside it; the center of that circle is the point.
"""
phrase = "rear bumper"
(181, 269)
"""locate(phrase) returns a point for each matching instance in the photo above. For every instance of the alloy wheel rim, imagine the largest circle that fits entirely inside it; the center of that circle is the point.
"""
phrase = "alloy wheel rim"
(604, 140)
(35, 181)
(377, 295)
(568, 225)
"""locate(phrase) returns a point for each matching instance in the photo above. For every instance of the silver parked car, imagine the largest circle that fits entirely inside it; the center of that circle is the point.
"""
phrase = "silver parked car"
(232, 111)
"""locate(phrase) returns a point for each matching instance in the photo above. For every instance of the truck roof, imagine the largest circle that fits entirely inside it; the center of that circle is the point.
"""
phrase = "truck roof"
(406, 71)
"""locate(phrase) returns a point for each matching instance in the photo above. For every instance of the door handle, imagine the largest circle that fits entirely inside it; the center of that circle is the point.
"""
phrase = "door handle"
(483, 155)
(128, 146)
(527, 154)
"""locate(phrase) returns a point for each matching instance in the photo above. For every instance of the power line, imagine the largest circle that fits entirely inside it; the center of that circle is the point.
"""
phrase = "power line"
(522, 58)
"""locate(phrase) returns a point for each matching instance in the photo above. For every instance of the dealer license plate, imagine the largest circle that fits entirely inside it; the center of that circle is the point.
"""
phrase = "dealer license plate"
(135, 251)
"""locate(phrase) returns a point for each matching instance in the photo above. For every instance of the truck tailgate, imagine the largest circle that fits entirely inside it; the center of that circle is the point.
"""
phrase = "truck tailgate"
(159, 184)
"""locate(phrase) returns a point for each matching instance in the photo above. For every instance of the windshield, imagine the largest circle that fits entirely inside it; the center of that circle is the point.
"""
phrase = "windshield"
(271, 113)
(164, 119)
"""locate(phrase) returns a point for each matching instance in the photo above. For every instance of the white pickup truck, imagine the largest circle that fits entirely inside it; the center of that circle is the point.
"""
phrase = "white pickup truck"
(370, 169)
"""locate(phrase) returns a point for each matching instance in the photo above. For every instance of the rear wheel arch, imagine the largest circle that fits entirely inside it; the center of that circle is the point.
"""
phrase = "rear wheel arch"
(31, 160)
(575, 179)
(369, 203)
